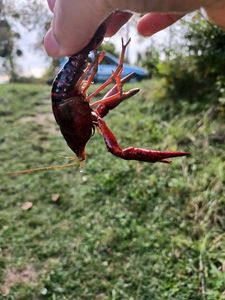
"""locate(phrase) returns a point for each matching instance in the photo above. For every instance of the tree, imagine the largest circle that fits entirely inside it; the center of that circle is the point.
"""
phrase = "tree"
(108, 47)
(13, 15)
(150, 60)
(206, 44)
(198, 71)
(8, 49)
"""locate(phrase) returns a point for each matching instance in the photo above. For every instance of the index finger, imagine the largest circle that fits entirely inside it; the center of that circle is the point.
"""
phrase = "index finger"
(174, 6)
(154, 22)
(116, 21)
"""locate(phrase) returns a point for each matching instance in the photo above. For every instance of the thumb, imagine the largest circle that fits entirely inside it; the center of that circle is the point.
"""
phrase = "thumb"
(73, 25)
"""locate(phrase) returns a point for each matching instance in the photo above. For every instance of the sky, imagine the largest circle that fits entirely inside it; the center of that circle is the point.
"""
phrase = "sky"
(34, 61)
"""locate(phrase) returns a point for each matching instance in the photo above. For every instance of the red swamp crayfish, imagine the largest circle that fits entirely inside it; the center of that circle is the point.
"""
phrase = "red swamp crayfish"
(77, 117)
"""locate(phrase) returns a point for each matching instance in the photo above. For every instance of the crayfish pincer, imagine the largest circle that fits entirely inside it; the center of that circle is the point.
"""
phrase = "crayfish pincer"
(77, 116)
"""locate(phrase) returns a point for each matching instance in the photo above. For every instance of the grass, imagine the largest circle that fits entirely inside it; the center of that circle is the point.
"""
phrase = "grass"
(120, 229)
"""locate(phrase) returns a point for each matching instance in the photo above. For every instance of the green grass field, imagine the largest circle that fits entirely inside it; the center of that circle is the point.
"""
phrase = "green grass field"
(119, 230)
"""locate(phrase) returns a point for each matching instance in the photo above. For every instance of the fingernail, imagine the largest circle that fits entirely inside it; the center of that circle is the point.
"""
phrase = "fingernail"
(51, 45)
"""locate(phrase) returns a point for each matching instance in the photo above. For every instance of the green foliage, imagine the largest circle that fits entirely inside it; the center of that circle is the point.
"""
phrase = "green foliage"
(108, 47)
(150, 61)
(120, 229)
(8, 48)
(201, 71)
(6, 38)
(206, 43)
(183, 79)
(12, 17)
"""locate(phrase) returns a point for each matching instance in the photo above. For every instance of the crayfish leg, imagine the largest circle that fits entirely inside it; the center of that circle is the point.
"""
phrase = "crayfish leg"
(104, 105)
(94, 68)
(114, 89)
(112, 98)
(133, 153)
(114, 75)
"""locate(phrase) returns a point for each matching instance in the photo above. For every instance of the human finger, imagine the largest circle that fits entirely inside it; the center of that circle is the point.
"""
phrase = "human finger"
(144, 6)
(154, 22)
(51, 4)
(116, 21)
(216, 13)
(74, 24)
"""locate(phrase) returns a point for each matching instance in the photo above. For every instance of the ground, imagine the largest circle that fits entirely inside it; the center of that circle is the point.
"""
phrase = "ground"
(118, 229)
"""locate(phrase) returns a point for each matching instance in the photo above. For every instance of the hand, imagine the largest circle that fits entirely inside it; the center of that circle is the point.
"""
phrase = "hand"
(76, 21)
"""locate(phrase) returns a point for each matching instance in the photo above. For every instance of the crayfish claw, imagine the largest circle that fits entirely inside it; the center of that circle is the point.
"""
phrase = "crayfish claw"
(166, 161)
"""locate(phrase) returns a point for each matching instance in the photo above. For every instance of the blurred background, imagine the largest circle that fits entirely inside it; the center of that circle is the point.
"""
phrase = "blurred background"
(114, 229)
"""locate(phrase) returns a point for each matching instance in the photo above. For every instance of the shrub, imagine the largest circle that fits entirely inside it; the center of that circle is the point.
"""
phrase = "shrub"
(198, 71)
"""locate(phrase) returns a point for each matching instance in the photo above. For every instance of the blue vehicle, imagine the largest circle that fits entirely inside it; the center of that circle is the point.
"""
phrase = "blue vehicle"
(109, 64)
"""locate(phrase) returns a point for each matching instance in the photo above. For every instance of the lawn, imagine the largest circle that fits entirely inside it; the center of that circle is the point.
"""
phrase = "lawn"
(118, 230)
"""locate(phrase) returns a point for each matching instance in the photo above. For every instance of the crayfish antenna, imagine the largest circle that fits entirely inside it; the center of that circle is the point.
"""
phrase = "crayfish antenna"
(41, 169)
